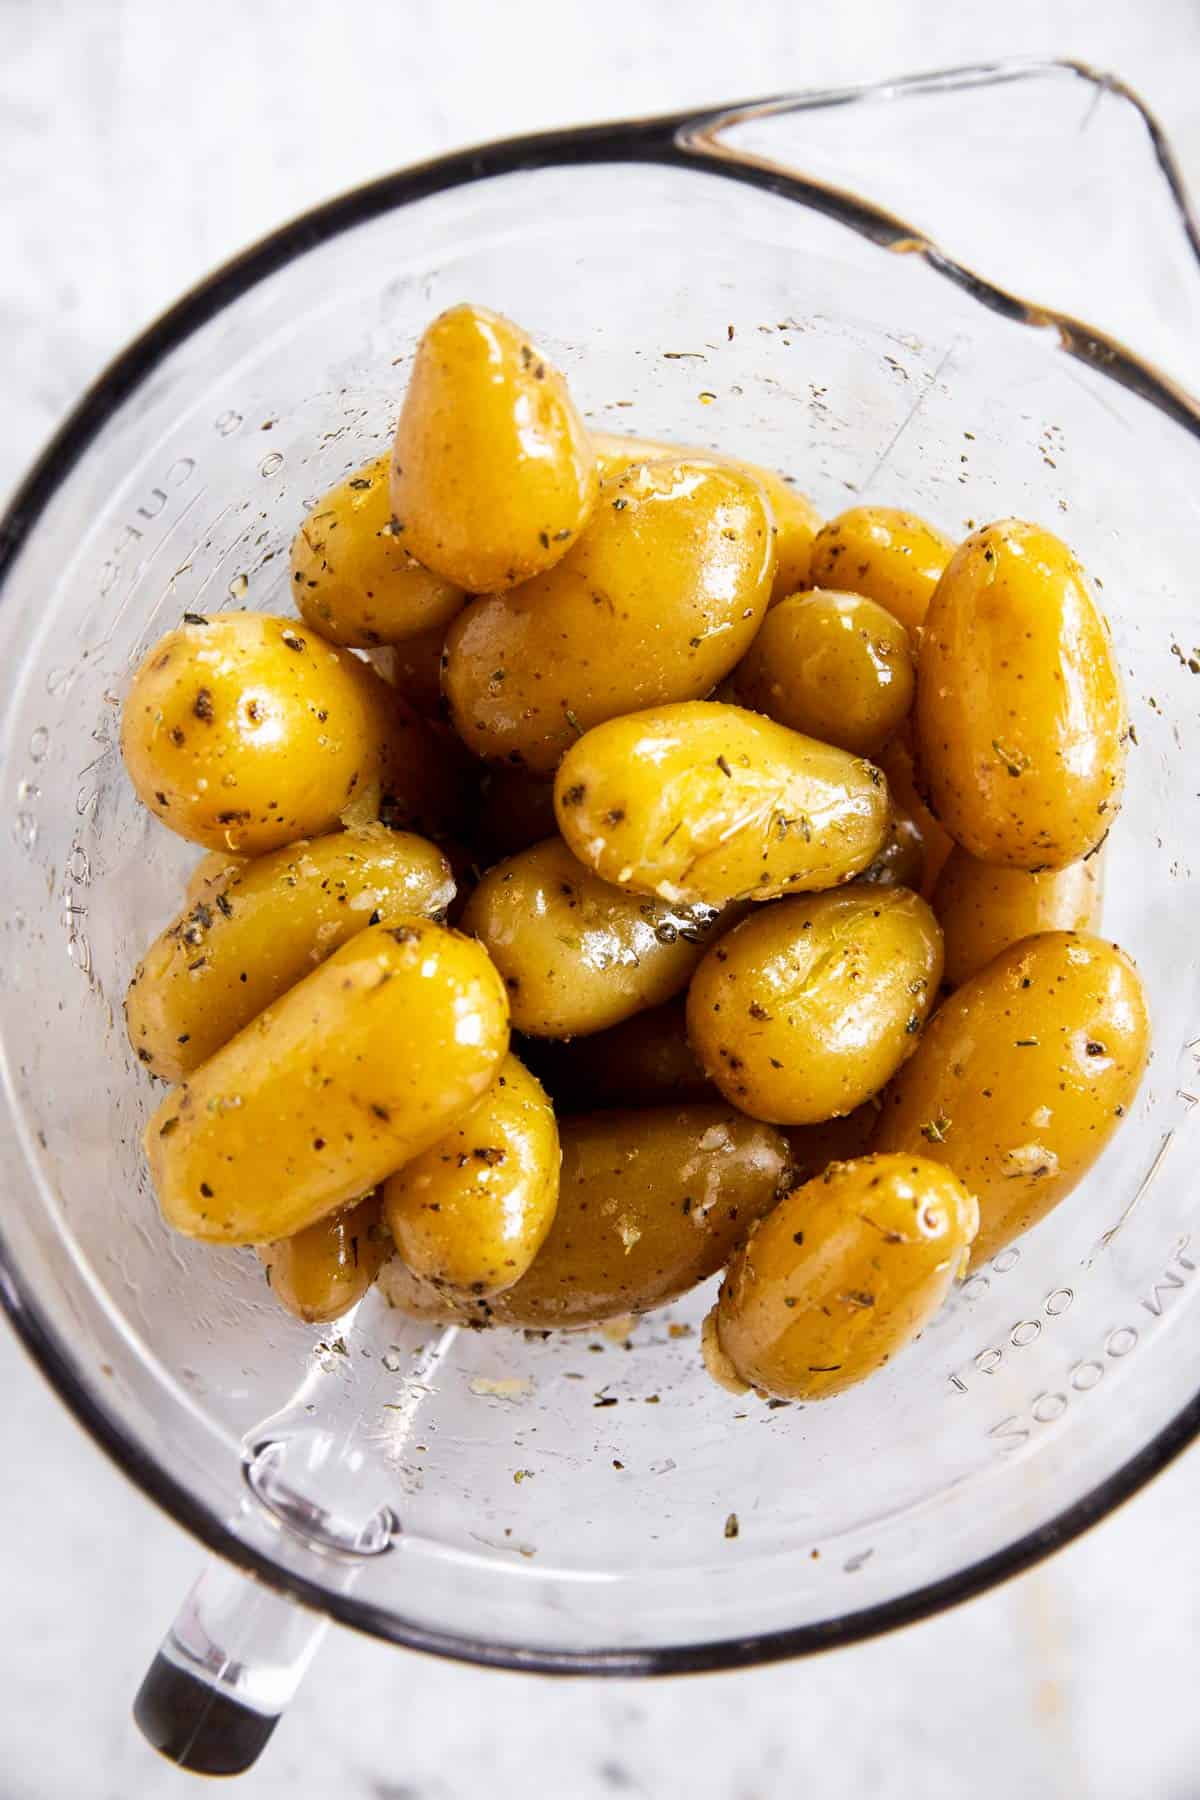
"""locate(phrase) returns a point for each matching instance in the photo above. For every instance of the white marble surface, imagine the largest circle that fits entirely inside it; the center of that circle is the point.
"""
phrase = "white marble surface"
(141, 144)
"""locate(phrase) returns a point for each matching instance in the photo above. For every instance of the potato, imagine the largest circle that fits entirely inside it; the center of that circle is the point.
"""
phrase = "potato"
(493, 475)
(1020, 719)
(807, 1008)
(352, 578)
(414, 669)
(245, 732)
(901, 862)
(659, 599)
(705, 803)
(835, 666)
(840, 1276)
(516, 811)
(896, 761)
(795, 520)
(327, 1268)
(646, 1060)
(887, 555)
(1023, 1076)
(576, 954)
(263, 928)
(814, 1147)
(983, 908)
(473, 1210)
(210, 873)
(650, 1203)
(357, 1069)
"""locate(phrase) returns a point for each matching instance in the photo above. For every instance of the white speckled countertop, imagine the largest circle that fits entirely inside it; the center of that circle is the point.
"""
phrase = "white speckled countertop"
(142, 144)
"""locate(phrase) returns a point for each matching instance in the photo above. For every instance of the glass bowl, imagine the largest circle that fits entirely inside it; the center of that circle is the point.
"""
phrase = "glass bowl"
(826, 283)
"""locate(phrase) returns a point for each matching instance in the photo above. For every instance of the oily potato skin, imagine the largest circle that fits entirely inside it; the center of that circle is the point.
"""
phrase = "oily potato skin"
(983, 908)
(265, 926)
(703, 802)
(210, 873)
(414, 669)
(646, 1060)
(834, 666)
(357, 1069)
(576, 954)
(1020, 720)
(324, 1270)
(807, 1008)
(352, 578)
(650, 1203)
(659, 599)
(795, 521)
(473, 1210)
(885, 554)
(901, 862)
(841, 1275)
(1022, 1076)
(896, 761)
(493, 475)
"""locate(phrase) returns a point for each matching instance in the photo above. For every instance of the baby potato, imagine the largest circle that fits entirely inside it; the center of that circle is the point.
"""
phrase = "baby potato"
(263, 928)
(659, 599)
(414, 669)
(646, 1060)
(1022, 1077)
(352, 578)
(493, 475)
(1020, 718)
(840, 1276)
(244, 732)
(516, 811)
(473, 1210)
(705, 803)
(650, 1203)
(814, 1147)
(807, 1008)
(889, 556)
(578, 955)
(896, 761)
(983, 908)
(324, 1270)
(356, 1070)
(210, 873)
(835, 666)
(901, 862)
(795, 520)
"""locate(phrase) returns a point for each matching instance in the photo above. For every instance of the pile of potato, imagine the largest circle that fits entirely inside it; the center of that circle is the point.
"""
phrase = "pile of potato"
(677, 883)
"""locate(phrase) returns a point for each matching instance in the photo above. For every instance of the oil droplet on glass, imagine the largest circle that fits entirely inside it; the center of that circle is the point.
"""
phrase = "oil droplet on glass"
(238, 587)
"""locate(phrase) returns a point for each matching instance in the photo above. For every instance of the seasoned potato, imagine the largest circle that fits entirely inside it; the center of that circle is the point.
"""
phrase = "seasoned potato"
(262, 929)
(840, 1276)
(702, 802)
(659, 599)
(211, 872)
(327, 1268)
(493, 474)
(887, 555)
(473, 1210)
(516, 811)
(352, 578)
(650, 1203)
(983, 908)
(1023, 1076)
(814, 1147)
(1020, 719)
(795, 520)
(357, 1069)
(807, 1008)
(576, 954)
(901, 862)
(835, 666)
(896, 761)
(414, 669)
(646, 1060)
(245, 732)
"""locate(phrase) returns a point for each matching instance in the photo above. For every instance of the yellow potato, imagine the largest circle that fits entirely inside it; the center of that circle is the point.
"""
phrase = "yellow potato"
(1022, 1077)
(414, 669)
(650, 1203)
(896, 761)
(983, 908)
(1020, 718)
(327, 1268)
(843, 1274)
(493, 475)
(352, 578)
(357, 1069)
(705, 803)
(659, 599)
(262, 929)
(795, 520)
(473, 1210)
(901, 862)
(807, 1008)
(887, 555)
(646, 1060)
(576, 954)
(210, 873)
(835, 666)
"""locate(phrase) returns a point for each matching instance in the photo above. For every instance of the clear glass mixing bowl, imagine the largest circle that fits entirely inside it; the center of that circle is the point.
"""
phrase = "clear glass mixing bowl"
(768, 279)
